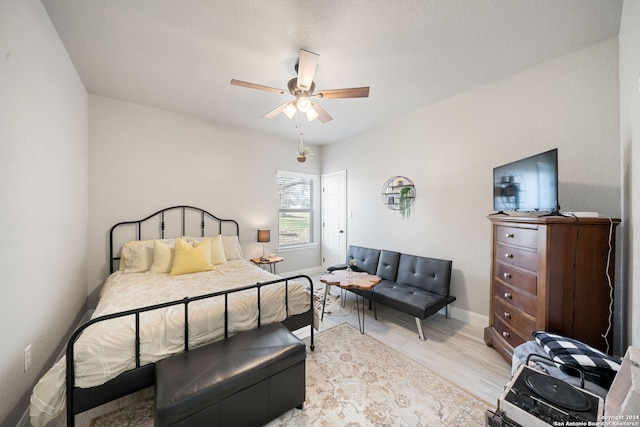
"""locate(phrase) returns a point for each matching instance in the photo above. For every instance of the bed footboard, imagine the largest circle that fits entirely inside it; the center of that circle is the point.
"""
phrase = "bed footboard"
(82, 399)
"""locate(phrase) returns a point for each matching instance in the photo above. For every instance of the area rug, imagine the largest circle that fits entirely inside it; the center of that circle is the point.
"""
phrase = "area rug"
(139, 414)
(334, 304)
(355, 380)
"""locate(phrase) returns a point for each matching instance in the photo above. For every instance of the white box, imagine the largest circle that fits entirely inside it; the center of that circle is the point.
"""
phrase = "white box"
(582, 214)
(624, 395)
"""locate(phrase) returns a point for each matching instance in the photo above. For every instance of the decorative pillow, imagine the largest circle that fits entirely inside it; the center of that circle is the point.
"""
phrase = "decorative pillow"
(137, 258)
(232, 248)
(192, 259)
(217, 251)
(163, 254)
(217, 248)
(597, 366)
(128, 250)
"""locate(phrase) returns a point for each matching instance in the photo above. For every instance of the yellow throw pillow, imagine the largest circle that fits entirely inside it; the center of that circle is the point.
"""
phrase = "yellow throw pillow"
(192, 259)
(163, 255)
(217, 251)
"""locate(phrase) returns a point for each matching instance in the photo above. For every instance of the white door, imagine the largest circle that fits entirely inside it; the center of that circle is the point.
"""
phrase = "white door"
(334, 218)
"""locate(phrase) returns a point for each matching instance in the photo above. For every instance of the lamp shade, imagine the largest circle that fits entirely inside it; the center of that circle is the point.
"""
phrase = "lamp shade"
(303, 104)
(290, 110)
(264, 235)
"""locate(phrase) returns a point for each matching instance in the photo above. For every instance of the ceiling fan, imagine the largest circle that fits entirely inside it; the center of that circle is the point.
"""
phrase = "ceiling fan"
(303, 88)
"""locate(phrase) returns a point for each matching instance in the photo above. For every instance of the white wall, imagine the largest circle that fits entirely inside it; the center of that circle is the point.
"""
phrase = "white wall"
(43, 188)
(630, 138)
(449, 150)
(143, 159)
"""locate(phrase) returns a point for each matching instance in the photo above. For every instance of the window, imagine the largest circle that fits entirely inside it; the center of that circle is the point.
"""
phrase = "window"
(295, 208)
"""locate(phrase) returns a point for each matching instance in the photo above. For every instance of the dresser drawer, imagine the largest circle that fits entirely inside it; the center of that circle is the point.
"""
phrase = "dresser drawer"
(526, 237)
(517, 257)
(512, 337)
(516, 278)
(517, 320)
(516, 297)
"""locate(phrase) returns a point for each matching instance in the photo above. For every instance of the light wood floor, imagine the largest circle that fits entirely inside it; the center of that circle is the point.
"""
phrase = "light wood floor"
(453, 349)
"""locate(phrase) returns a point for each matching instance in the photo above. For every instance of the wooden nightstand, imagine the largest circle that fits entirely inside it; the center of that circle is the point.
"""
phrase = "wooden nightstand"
(271, 262)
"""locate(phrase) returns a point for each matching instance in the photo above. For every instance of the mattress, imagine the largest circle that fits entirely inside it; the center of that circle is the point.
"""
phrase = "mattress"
(106, 349)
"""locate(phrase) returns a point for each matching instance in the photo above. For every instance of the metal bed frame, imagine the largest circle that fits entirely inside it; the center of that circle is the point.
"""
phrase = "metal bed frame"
(79, 399)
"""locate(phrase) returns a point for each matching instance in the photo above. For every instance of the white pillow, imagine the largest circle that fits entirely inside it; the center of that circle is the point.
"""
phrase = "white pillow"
(136, 256)
(138, 259)
(232, 248)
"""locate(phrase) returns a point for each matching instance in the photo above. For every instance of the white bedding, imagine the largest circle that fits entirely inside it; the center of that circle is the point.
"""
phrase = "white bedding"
(106, 349)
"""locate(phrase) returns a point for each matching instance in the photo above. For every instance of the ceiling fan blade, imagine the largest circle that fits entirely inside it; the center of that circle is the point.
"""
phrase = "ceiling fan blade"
(352, 92)
(257, 86)
(307, 64)
(271, 114)
(322, 114)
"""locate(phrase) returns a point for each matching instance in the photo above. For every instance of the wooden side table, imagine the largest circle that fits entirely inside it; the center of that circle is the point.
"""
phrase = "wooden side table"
(361, 281)
(271, 262)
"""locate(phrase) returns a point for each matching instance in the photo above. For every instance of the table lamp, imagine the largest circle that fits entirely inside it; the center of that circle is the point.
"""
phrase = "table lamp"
(264, 236)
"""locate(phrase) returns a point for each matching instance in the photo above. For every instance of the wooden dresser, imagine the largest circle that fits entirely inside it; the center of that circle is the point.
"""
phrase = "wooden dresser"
(550, 273)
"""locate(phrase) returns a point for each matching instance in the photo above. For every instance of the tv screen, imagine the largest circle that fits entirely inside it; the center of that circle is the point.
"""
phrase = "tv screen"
(529, 184)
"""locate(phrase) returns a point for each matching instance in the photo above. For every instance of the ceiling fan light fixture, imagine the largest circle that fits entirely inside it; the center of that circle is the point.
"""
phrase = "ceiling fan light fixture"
(290, 110)
(303, 104)
(312, 114)
(302, 88)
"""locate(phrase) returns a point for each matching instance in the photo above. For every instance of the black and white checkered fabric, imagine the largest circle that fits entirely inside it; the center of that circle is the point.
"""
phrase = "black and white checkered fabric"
(597, 366)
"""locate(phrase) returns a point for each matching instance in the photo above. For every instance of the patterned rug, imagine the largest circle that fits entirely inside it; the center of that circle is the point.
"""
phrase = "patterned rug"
(334, 304)
(355, 380)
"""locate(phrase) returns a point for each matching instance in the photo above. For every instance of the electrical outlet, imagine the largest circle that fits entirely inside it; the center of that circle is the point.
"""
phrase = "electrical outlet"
(27, 358)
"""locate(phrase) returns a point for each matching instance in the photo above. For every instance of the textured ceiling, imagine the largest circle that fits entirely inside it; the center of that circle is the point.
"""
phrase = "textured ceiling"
(179, 55)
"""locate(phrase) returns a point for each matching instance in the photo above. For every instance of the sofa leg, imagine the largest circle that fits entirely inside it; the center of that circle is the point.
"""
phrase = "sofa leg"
(447, 312)
(420, 331)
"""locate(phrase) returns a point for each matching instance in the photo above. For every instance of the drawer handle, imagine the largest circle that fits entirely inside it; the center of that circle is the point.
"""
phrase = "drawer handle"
(510, 235)
(507, 315)
(507, 275)
(507, 295)
(508, 255)
(505, 334)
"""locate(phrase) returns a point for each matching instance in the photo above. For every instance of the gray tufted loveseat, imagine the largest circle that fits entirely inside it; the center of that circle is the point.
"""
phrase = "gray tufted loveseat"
(412, 284)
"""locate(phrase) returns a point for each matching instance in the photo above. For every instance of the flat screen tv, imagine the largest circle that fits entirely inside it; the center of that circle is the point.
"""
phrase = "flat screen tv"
(526, 185)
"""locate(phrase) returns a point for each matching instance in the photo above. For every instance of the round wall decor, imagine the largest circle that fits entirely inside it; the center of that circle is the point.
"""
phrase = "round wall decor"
(398, 194)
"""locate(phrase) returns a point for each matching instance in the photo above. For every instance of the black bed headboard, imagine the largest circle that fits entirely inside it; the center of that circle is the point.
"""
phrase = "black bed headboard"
(171, 222)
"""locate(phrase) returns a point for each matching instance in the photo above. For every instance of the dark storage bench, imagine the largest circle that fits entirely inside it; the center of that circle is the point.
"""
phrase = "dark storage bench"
(247, 379)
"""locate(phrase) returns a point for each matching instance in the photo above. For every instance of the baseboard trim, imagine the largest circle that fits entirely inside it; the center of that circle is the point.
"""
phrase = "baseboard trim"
(469, 317)
(307, 272)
